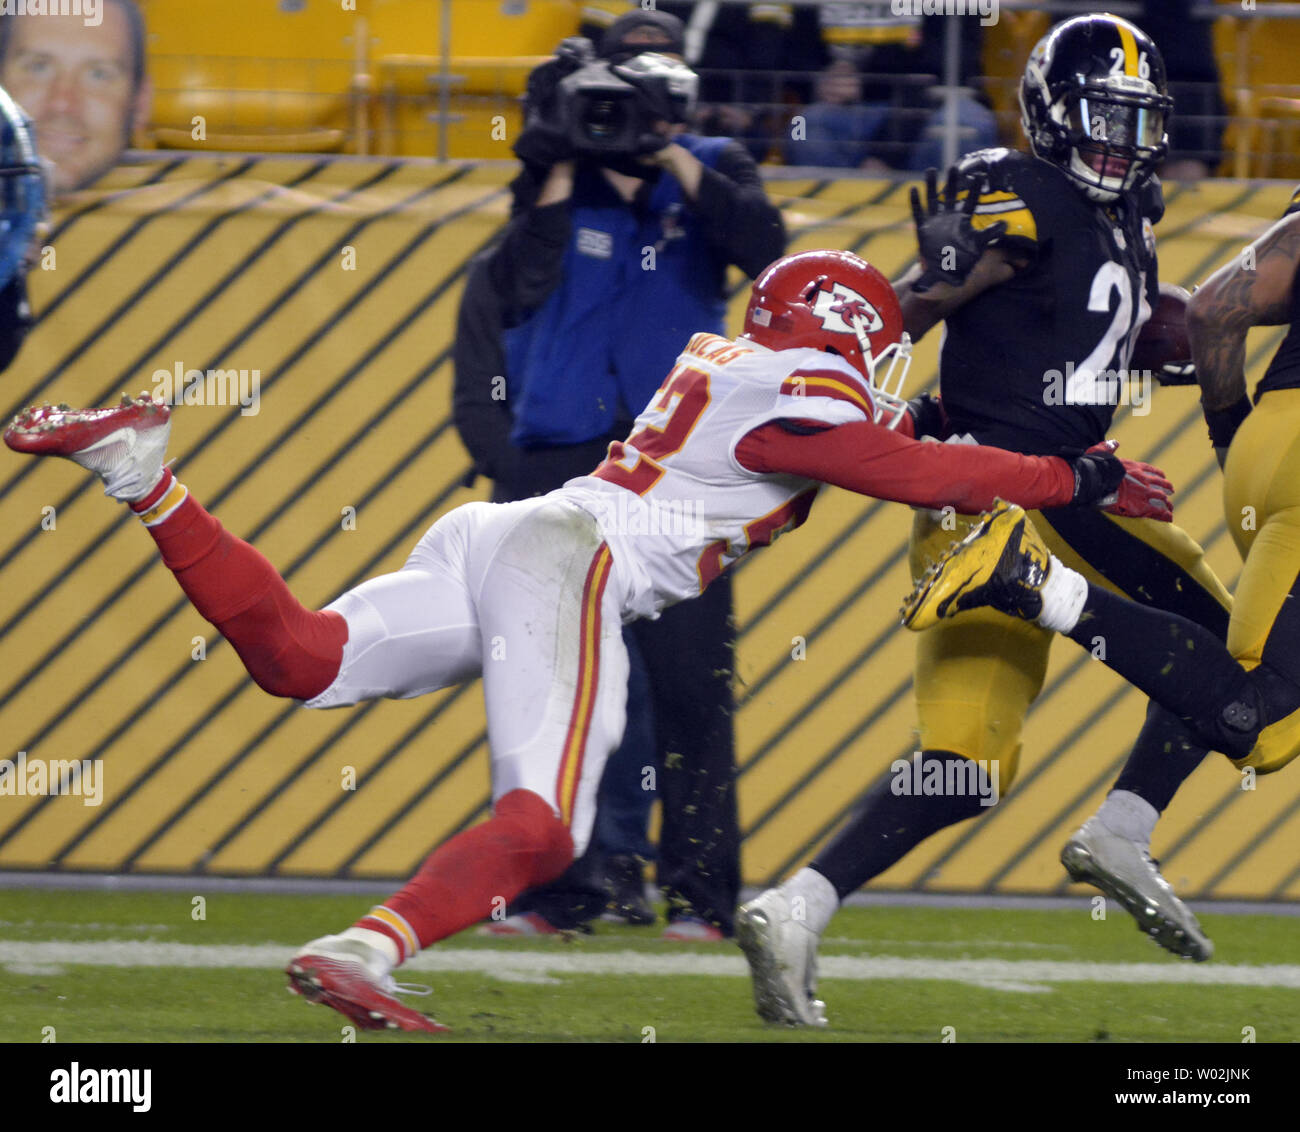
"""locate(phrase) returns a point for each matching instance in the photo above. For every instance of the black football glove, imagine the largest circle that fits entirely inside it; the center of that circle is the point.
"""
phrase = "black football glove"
(948, 244)
(928, 417)
(1097, 474)
(1120, 487)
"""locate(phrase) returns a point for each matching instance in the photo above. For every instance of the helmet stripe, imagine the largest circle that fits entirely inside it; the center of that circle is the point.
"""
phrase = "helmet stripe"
(1130, 49)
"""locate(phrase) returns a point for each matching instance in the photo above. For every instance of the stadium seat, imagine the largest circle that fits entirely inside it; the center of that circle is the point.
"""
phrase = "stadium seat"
(495, 43)
(479, 28)
(310, 77)
(1006, 48)
(1256, 57)
(261, 75)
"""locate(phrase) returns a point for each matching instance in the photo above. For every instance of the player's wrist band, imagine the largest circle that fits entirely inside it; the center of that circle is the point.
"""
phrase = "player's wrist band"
(927, 416)
(1225, 422)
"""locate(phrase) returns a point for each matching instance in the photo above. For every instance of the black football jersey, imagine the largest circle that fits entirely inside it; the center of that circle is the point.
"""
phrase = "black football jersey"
(1284, 370)
(1038, 364)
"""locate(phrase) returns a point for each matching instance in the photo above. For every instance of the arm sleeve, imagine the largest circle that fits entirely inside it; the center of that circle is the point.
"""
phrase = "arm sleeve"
(483, 421)
(483, 424)
(527, 264)
(484, 429)
(871, 460)
(741, 221)
(906, 426)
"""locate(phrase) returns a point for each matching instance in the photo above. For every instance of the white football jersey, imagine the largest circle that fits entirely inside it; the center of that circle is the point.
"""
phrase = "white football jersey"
(675, 505)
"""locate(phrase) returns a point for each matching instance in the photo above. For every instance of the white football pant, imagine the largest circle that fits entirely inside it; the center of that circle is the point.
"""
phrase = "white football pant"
(517, 593)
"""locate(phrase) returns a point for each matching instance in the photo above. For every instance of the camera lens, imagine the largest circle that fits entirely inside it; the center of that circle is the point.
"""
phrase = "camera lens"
(604, 118)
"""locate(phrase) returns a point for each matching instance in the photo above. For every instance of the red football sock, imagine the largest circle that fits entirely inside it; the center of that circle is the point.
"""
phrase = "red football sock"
(522, 845)
(288, 649)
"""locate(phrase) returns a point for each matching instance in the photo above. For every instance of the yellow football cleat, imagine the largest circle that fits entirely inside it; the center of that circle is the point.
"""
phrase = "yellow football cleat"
(1001, 564)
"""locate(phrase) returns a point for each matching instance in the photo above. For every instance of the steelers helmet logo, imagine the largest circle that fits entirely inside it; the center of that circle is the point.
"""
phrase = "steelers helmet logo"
(840, 306)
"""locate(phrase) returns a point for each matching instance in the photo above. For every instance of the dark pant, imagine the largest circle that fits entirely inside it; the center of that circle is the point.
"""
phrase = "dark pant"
(689, 654)
(630, 783)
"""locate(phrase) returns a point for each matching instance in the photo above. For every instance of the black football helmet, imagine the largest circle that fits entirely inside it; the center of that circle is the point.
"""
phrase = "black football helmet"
(1093, 102)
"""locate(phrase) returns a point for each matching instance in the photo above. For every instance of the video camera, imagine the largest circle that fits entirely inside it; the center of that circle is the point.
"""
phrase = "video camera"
(610, 108)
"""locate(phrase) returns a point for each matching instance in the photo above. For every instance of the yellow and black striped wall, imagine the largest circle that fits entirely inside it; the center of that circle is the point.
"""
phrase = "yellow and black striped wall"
(338, 281)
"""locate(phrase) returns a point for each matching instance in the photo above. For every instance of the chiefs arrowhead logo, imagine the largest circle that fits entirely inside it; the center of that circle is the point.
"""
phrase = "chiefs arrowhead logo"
(841, 305)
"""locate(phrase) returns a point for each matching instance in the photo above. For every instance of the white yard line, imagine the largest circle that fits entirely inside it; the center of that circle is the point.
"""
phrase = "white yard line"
(378, 888)
(543, 966)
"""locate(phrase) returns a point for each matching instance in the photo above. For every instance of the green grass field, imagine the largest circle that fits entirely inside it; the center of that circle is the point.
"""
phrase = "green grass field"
(103, 967)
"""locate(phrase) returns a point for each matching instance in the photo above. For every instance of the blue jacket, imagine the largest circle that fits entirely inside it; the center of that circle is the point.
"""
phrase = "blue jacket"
(633, 287)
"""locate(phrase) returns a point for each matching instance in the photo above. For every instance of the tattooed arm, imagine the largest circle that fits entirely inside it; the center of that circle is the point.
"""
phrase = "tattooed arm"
(1253, 290)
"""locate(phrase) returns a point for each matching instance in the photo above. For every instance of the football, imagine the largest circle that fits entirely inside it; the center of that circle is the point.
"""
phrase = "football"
(1163, 338)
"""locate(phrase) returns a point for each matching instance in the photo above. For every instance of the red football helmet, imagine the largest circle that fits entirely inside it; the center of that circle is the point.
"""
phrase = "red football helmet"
(835, 301)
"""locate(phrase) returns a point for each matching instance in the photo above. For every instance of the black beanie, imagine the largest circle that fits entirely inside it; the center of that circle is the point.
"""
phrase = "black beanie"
(612, 46)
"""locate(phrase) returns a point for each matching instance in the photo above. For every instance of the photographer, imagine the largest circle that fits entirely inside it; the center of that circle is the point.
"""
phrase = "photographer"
(623, 229)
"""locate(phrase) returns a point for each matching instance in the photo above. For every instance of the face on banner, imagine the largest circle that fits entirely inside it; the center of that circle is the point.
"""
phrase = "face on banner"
(78, 83)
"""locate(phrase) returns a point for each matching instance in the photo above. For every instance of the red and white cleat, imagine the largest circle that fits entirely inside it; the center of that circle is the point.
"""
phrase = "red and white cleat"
(691, 929)
(353, 979)
(520, 924)
(124, 445)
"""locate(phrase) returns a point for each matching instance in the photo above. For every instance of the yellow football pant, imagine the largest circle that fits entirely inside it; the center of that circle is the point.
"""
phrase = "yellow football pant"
(1261, 503)
(977, 674)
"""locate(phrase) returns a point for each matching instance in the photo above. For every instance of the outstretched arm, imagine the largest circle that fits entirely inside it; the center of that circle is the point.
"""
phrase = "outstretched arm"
(957, 259)
(1253, 290)
(863, 457)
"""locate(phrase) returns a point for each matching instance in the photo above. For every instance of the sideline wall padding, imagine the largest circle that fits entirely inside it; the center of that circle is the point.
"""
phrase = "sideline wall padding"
(338, 281)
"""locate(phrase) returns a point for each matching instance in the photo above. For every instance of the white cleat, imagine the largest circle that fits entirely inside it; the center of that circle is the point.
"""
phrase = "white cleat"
(124, 445)
(782, 955)
(1125, 872)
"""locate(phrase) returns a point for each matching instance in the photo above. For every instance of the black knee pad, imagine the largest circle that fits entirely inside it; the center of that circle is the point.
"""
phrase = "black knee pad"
(1278, 693)
(1233, 724)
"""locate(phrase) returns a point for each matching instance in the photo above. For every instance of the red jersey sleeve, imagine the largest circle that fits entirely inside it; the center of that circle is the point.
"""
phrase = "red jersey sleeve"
(906, 426)
(871, 460)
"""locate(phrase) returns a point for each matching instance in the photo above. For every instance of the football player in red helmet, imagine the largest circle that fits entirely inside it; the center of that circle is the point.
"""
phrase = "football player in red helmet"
(730, 452)
(817, 299)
